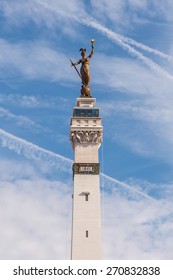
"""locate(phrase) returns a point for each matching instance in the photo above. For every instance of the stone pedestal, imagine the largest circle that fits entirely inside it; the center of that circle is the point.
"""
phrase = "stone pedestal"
(86, 136)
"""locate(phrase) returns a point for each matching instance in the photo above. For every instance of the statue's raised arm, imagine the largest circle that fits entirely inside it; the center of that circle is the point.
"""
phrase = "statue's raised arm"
(85, 70)
(92, 48)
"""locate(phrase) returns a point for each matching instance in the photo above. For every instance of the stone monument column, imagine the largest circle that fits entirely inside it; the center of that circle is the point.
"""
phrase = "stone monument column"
(86, 136)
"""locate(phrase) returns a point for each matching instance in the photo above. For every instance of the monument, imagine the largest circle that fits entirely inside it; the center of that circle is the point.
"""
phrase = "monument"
(86, 136)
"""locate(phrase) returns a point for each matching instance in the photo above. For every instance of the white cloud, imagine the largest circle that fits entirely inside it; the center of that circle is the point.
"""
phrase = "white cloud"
(29, 60)
(124, 43)
(161, 9)
(19, 119)
(35, 218)
(139, 106)
(135, 226)
(149, 106)
(112, 10)
(136, 229)
(33, 215)
(31, 151)
(130, 76)
(38, 101)
(121, 12)
(30, 204)
(143, 124)
(49, 14)
(127, 13)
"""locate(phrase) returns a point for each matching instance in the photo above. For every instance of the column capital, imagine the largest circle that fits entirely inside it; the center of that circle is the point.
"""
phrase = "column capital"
(86, 137)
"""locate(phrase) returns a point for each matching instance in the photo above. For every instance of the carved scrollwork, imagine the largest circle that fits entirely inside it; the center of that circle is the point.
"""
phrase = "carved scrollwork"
(86, 137)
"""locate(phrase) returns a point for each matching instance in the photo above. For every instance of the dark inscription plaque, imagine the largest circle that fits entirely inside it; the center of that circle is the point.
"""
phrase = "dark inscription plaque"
(86, 168)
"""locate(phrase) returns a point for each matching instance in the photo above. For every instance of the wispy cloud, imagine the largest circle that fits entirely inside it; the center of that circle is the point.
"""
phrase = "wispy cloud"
(32, 151)
(88, 21)
(29, 60)
(37, 101)
(142, 229)
(36, 213)
(44, 11)
(149, 117)
(137, 110)
(39, 54)
(19, 119)
(147, 49)
(134, 80)
(109, 182)
(127, 13)
(40, 13)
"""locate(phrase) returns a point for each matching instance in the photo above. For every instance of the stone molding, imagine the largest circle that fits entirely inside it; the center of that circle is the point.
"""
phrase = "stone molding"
(86, 168)
(86, 137)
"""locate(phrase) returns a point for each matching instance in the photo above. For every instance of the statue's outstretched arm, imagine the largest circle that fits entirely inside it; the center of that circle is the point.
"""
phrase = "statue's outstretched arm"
(76, 63)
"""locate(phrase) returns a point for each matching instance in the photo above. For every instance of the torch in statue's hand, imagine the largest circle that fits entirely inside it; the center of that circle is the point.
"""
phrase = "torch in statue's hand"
(92, 42)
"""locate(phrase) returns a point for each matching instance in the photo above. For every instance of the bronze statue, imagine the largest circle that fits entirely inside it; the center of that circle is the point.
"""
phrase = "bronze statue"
(84, 70)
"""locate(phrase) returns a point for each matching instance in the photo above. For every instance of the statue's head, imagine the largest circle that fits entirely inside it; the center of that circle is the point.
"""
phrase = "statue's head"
(83, 52)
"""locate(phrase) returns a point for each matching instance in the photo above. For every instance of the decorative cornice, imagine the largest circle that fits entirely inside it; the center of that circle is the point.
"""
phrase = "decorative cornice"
(86, 168)
(86, 137)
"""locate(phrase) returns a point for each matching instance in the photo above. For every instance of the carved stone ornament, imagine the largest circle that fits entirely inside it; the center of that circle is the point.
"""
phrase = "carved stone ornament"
(86, 137)
(86, 168)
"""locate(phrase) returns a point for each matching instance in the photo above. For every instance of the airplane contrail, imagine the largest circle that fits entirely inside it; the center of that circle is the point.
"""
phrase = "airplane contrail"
(146, 48)
(125, 185)
(88, 21)
(32, 151)
(85, 19)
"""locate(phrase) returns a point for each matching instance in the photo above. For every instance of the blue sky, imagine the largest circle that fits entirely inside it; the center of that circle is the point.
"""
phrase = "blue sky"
(132, 80)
